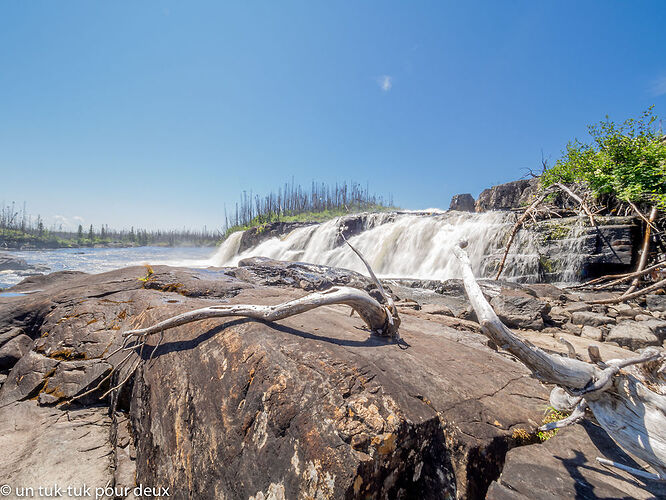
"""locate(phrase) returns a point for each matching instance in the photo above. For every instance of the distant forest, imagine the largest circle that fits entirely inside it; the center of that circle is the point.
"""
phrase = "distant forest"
(19, 229)
(292, 202)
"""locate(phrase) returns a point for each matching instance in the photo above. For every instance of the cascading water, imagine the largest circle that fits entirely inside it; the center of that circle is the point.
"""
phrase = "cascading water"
(405, 245)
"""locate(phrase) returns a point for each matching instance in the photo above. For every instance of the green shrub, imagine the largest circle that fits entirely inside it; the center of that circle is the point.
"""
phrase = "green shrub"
(627, 160)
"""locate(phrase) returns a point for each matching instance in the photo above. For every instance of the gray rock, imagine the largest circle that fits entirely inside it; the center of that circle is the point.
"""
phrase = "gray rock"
(507, 196)
(440, 309)
(637, 334)
(14, 350)
(590, 319)
(518, 309)
(656, 302)
(559, 313)
(11, 263)
(565, 467)
(576, 307)
(626, 311)
(592, 332)
(570, 327)
(44, 446)
(27, 377)
(462, 203)
(643, 317)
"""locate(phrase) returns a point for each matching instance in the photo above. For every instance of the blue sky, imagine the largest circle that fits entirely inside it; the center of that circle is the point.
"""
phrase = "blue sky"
(156, 114)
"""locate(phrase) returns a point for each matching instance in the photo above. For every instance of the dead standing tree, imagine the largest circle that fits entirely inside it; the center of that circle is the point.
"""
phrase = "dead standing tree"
(628, 401)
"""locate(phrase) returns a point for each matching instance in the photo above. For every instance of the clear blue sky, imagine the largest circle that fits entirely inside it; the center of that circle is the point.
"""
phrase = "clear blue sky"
(157, 113)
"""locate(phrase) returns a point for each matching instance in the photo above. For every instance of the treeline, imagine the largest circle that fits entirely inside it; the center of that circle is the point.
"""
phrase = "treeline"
(19, 229)
(293, 200)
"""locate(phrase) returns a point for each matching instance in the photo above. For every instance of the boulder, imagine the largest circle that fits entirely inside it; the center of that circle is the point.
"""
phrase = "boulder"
(577, 307)
(462, 203)
(656, 302)
(591, 319)
(14, 350)
(638, 334)
(518, 309)
(592, 333)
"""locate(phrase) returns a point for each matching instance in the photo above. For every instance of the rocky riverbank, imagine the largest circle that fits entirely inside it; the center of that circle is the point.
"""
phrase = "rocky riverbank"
(313, 406)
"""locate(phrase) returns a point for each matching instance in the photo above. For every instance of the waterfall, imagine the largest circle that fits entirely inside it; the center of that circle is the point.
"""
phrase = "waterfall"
(408, 245)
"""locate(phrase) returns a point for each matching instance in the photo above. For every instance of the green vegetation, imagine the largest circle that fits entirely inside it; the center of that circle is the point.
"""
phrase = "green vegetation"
(627, 161)
(551, 415)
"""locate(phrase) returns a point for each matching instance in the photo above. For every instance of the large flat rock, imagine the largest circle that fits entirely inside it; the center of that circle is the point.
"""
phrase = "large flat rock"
(314, 406)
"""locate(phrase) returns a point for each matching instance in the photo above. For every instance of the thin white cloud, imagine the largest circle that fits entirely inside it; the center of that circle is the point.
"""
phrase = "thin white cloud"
(385, 82)
(78, 218)
(658, 86)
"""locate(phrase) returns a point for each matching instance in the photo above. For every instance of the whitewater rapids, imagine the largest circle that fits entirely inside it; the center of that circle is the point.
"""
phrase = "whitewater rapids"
(406, 245)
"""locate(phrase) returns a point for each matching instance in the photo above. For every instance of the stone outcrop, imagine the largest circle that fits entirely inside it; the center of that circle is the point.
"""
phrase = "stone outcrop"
(507, 196)
(463, 203)
(312, 406)
(638, 334)
(255, 235)
(18, 266)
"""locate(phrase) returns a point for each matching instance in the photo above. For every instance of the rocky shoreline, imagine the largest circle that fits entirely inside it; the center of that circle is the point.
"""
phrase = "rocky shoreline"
(312, 406)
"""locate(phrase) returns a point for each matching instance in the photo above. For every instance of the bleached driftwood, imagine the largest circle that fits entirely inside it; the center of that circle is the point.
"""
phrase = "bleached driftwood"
(616, 392)
(373, 313)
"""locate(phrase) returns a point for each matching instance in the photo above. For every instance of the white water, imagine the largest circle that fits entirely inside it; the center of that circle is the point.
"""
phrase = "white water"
(403, 245)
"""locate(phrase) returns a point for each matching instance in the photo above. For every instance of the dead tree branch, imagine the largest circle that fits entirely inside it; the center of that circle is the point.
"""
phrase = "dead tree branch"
(517, 226)
(639, 293)
(644, 252)
(620, 399)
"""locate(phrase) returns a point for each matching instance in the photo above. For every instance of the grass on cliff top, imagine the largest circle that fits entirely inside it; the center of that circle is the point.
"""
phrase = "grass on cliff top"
(321, 216)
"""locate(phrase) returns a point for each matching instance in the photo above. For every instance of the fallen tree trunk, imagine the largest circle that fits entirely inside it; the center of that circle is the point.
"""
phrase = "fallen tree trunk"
(623, 404)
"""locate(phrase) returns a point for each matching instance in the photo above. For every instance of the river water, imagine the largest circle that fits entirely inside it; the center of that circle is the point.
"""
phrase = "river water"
(403, 245)
(98, 260)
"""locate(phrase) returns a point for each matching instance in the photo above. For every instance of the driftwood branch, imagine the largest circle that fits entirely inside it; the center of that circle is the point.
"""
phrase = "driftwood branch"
(372, 312)
(529, 212)
(622, 298)
(644, 252)
(517, 226)
(618, 395)
(577, 415)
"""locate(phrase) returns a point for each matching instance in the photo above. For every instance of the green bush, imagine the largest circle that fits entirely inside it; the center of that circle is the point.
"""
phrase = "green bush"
(628, 161)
